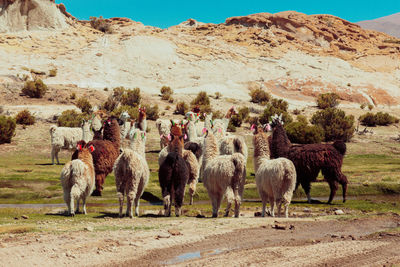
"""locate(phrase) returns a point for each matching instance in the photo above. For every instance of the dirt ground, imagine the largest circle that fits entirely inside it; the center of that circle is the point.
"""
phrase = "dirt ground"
(248, 240)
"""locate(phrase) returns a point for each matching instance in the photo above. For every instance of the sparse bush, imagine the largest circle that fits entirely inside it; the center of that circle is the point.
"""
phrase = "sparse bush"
(53, 73)
(84, 105)
(24, 117)
(301, 132)
(132, 111)
(231, 128)
(217, 114)
(242, 115)
(7, 129)
(167, 107)
(296, 111)
(336, 125)
(101, 24)
(181, 108)
(34, 89)
(201, 99)
(276, 106)
(166, 93)
(252, 120)
(380, 118)
(71, 118)
(131, 97)
(328, 100)
(72, 96)
(218, 95)
(370, 107)
(259, 96)
(152, 112)
(363, 105)
(105, 89)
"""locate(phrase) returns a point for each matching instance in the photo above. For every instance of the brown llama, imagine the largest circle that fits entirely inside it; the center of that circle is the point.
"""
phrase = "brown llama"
(105, 153)
(310, 159)
(174, 174)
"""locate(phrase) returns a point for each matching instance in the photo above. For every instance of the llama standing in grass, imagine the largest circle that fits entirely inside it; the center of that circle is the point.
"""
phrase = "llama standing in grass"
(223, 175)
(67, 138)
(132, 173)
(173, 173)
(190, 158)
(78, 178)
(310, 159)
(126, 124)
(275, 178)
(105, 153)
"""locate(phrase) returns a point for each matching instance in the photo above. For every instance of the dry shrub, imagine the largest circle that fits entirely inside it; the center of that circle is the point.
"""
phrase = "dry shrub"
(7, 129)
(34, 89)
(24, 117)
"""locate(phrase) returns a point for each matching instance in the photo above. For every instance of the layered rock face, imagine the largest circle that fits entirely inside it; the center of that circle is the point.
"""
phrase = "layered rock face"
(20, 15)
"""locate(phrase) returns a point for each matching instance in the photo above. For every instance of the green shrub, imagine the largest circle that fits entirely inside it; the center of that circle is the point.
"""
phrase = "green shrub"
(218, 95)
(167, 107)
(132, 111)
(363, 105)
(131, 97)
(152, 112)
(297, 111)
(217, 114)
(7, 129)
(301, 132)
(231, 128)
(259, 96)
(276, 106)
(24, 117)
(380, 118)
(34, 89)
(252, 120)
(239, 118)
(84, 105)
(72, 95)
(201, 99)
(166, 92)
(328, 100)
(71, 118)
(335, 123)
(181, 108)
(370, 107)
(101, 24)
(53, 73)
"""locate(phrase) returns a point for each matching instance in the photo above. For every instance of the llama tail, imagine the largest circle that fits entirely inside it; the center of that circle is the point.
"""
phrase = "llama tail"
(240, 168)
(340, 146)
(239, 146)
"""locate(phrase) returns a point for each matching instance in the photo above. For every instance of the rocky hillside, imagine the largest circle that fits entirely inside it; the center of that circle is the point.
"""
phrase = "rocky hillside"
(389, 24)
(290, 54)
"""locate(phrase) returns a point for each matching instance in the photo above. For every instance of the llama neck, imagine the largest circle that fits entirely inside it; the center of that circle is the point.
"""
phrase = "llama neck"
(280, 144)
(85, 156)
(210, 147)
(138, 146)
(261, 149)
(112, 133)
(191, 131)
(87, 134)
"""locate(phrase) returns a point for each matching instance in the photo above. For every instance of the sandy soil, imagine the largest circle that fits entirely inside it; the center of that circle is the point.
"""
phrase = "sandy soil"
(156, 241)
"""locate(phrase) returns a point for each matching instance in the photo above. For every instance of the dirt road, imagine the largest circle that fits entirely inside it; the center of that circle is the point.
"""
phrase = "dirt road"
(157, 241)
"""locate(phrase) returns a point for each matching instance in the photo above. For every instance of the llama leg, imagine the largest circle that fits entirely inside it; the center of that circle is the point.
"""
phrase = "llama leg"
(344, 188)
(67, 199)
(216, 203)
(52, 154)
(307, 187)
(279, 204)
(71, 205)
(272, 204)
(230, 197)
(129, 202)
(334, 186)
(237, 202)
(286, 210)
(167, 205)
(99, 185)
(77, 205)
(264, 199)
(84, 205)
(192, 190)
(121, 202)
(137, 202)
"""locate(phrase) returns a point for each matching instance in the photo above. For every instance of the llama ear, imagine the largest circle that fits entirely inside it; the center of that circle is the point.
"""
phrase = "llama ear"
(172, 122)
(143, 135)
(185, 137)
(91, 148)
(169, 137)
(267, 127)
(204, 130)
(254, 129)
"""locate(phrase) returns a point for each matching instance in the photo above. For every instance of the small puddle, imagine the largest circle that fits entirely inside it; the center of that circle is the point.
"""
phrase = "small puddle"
(193, 255)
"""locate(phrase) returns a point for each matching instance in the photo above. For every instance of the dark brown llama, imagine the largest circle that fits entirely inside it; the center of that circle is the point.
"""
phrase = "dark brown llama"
(310, 159)
(105, 153)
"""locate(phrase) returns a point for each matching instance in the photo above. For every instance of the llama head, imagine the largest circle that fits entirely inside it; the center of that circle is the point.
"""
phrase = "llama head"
(254, 129)
(80, 145)
(276, 120)
(125, 116)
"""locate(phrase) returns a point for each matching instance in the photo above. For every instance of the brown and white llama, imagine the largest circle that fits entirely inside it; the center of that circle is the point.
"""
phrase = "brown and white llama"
(275, 178)
(78, 178)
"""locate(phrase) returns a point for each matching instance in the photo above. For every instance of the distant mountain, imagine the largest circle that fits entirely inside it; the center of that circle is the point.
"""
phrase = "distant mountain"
(389, 24)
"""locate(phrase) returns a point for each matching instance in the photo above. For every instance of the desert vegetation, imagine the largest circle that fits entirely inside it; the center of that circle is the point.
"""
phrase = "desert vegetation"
(34, 89)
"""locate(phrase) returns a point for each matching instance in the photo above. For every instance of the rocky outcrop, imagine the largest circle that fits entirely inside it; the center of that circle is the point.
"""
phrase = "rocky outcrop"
(389, 24)
(19, 15)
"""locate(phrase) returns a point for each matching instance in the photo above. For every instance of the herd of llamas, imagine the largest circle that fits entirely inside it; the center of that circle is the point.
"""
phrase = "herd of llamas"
(191, 151)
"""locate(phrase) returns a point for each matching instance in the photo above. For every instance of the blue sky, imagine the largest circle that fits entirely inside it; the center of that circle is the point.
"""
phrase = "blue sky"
(164, 13)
